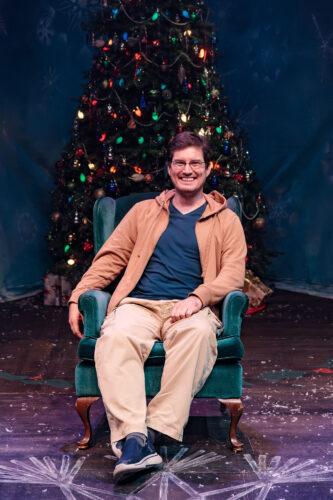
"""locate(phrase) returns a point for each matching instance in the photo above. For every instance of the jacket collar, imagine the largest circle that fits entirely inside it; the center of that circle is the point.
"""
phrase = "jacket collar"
(216, 202)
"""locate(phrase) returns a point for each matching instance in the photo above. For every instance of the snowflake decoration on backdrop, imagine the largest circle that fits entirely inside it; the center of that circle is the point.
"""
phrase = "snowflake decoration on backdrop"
(44, 31)
(50, 82)
(77, 10)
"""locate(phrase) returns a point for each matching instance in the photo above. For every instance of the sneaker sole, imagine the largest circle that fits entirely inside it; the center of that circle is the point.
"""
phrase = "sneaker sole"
(125, 470)
(116, 451)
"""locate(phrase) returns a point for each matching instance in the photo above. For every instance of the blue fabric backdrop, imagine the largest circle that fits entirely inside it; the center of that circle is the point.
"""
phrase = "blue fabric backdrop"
(277, 66)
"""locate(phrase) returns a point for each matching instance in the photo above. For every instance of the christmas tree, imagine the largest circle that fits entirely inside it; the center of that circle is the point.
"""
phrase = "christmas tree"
(153, 75)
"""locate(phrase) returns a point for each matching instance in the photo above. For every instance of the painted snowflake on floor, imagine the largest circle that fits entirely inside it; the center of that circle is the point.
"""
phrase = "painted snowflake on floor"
(178, 465)
(45, 472)
(293, 471)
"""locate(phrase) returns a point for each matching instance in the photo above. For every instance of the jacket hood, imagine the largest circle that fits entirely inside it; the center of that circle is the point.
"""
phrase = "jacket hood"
(215, 201)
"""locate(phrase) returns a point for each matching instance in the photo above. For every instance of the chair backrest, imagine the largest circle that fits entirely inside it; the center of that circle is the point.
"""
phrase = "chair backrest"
(109, 212)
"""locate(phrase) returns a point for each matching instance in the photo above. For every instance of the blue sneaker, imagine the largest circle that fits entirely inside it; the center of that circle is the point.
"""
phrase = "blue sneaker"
(117, 446)
(136, 457)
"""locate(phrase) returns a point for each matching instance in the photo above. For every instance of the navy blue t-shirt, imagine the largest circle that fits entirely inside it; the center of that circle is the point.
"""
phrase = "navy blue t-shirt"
(174, 269)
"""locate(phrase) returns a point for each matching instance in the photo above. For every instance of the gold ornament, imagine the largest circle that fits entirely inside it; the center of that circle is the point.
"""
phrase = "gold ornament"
(55, 216)
(98, 193)
(137, 177)
(259, 223)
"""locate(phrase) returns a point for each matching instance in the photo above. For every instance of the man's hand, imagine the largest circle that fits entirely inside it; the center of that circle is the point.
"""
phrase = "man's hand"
(74, 317)
(185, 308)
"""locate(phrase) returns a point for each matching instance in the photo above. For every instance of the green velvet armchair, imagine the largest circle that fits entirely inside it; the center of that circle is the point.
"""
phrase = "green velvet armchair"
(225, 380)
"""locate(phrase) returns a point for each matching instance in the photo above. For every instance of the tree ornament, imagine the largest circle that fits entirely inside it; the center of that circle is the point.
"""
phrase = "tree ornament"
(215, 92)
(185, 86)
(248, 176)
(87, 246)
(167, 94)
(55, 216)
(137, 177)
(181, 74)
(148, 178)
(226, 148)
(76, 217)
(131, 123)
(110, 153)
(227, 172)
(165, 64)
(70, 238)
(259, 223)
(142, 101)
(98, 193)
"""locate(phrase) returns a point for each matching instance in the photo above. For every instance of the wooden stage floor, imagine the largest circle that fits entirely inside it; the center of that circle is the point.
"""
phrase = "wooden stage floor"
(286, 425)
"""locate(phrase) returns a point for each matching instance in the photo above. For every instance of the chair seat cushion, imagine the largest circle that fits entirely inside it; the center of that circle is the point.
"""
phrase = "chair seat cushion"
(227, 348)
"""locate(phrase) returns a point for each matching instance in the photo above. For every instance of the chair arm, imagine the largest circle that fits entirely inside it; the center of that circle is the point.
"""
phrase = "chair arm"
(233, 309)
(93, 305)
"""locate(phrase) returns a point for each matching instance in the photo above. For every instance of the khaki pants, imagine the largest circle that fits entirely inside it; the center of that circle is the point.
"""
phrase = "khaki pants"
(127, 337)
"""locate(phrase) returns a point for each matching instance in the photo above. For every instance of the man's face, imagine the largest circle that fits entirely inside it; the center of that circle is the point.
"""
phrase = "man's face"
(188, 171)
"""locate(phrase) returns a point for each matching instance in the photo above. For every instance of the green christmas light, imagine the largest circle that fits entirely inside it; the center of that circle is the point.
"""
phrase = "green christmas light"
(155, 116)
(155, 16)
(193, 16)
(203, 82)
(144, 155)
(67, 247)
(141, 140)
(82, 177)
(218, 130)
(173, 39)
(119, 140)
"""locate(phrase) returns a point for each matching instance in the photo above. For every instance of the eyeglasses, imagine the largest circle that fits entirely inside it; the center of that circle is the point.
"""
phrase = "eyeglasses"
(195, 164)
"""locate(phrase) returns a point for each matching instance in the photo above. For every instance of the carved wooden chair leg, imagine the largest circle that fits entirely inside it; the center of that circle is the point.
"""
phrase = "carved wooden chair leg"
(235, 407)
(82, 406)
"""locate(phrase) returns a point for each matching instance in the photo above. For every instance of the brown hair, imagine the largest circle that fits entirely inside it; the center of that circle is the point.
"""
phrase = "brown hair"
(184, 140)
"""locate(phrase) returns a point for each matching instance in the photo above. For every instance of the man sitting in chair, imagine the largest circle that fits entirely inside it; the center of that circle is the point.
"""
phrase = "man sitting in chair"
(182, 253)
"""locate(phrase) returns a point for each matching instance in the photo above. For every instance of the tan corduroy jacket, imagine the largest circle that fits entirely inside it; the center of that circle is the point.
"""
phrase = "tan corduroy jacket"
(221, 243)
